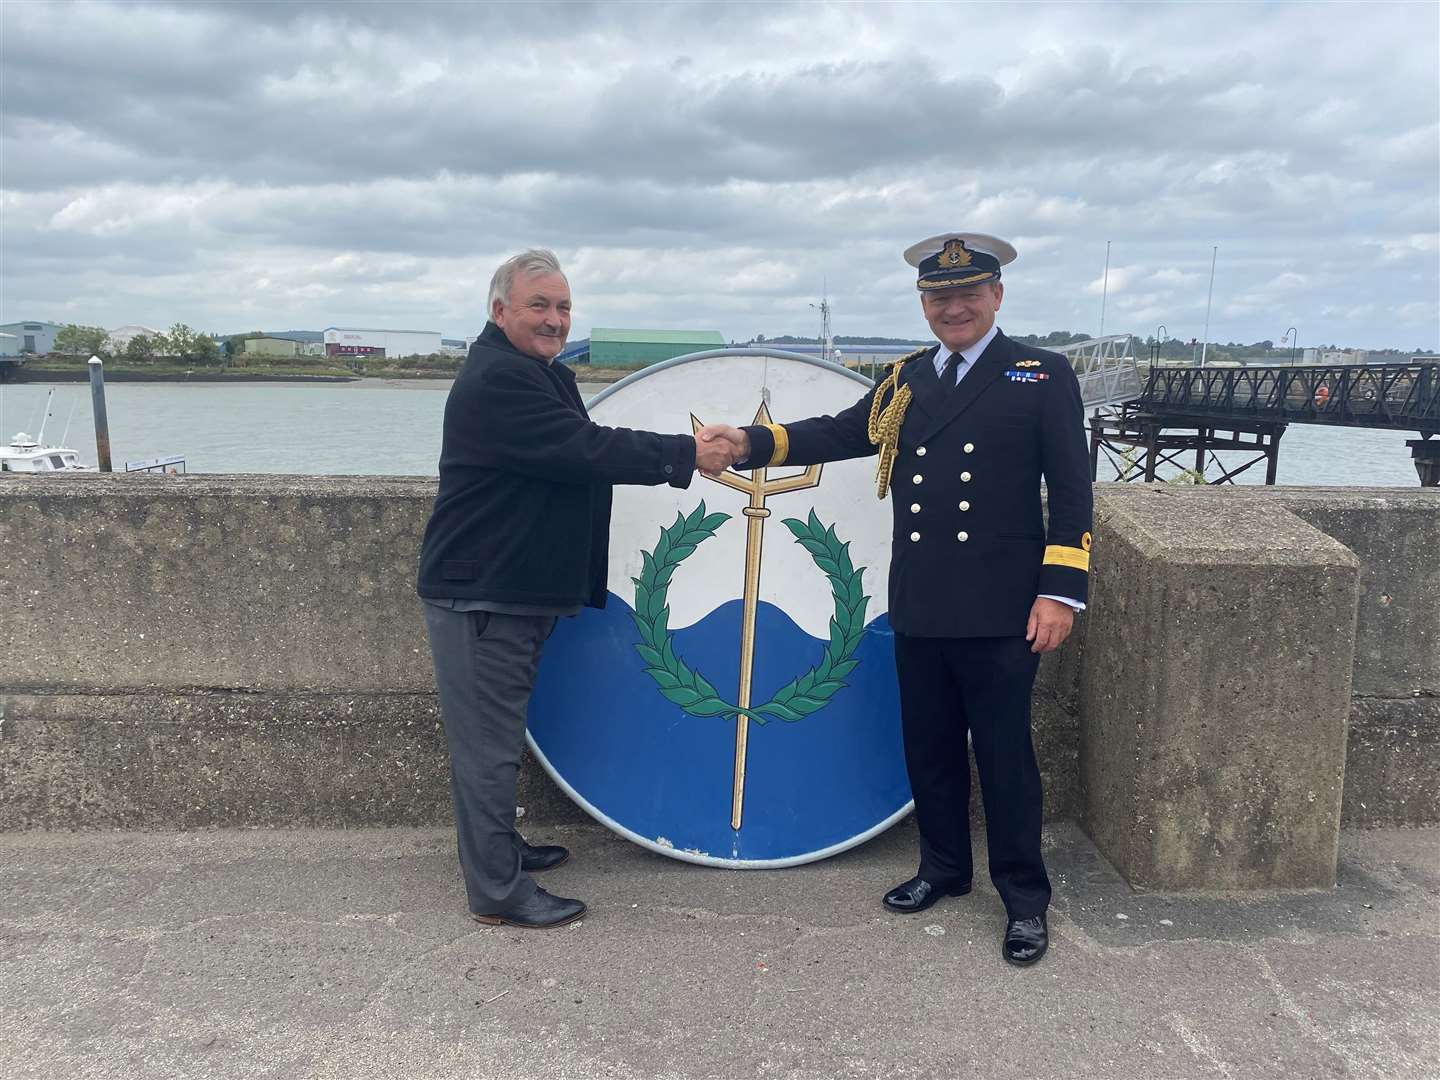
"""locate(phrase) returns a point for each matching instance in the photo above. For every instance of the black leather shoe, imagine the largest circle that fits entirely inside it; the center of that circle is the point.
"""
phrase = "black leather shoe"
(917, 894)
(1026, 941)
(534, 859)
(541, 911)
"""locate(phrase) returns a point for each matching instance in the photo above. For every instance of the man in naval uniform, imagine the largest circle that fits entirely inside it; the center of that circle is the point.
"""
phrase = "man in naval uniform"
(979, 587)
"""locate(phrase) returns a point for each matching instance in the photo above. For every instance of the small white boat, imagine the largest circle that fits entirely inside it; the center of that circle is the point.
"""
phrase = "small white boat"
(32, 455)
(26, 455)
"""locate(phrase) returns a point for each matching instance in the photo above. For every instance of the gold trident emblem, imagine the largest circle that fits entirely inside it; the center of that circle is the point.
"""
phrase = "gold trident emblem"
(759, 489)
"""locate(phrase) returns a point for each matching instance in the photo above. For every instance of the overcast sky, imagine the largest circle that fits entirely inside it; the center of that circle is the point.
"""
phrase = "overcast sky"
(251, 165)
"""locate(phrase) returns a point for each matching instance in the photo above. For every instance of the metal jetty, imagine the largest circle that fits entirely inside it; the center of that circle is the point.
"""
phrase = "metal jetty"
(1184, 411)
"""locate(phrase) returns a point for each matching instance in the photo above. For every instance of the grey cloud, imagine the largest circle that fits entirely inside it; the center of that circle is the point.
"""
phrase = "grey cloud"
(641, 118)
(344, 153)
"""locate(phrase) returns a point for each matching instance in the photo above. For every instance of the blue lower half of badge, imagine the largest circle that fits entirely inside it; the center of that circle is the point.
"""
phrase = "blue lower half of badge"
(650, 771)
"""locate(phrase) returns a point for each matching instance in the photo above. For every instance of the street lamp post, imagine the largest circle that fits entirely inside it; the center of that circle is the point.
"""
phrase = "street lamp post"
(1294, 336)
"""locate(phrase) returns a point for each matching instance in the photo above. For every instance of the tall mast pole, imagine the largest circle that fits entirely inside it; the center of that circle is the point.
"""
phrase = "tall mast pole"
(1205, 345)
(1104, 288)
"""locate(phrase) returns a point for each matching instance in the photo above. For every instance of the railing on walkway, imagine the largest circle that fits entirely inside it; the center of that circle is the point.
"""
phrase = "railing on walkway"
(1405, 396)
(1106, 369)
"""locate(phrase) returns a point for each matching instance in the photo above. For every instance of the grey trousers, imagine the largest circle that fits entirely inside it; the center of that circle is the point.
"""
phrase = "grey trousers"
(485, 666)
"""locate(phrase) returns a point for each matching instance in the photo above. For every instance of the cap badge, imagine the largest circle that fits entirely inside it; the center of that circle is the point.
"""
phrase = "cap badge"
(955, 254)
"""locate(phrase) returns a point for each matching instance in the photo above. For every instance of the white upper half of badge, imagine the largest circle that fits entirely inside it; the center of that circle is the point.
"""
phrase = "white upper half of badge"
(731, 389)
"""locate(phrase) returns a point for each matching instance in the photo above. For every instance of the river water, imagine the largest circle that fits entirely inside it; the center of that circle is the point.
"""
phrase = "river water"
(393, 427)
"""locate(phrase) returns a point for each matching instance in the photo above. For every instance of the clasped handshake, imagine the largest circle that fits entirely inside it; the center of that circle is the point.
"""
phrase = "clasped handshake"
(718, 446)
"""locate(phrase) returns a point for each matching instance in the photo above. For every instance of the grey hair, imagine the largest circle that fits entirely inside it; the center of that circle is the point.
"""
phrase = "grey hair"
(534, 261)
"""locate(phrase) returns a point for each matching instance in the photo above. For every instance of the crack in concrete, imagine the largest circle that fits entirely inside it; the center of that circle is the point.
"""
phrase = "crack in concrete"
(364, 1016)
(1200, 1046)
(1297, 1013)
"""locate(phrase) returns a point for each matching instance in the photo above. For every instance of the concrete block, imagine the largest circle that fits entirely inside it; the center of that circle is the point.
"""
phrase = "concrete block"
(1392, 771)
(1057, 749)
(1397, 540)
(1215, 693)
(254, 583)
(1059, 674)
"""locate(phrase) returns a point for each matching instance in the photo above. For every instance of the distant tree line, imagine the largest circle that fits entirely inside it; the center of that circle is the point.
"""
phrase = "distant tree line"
(1054, 339)
(180, 342)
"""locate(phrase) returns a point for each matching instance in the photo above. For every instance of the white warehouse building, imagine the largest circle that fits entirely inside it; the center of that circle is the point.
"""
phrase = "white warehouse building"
(345, 341)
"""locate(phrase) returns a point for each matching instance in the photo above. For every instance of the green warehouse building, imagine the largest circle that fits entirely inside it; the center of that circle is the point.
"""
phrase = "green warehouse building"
(639, 348)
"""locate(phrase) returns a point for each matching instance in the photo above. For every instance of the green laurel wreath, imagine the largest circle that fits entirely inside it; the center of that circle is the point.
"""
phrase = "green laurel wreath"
(685, 686)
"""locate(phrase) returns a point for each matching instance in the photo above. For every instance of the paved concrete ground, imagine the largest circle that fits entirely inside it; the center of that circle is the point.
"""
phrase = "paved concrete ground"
(347, 954)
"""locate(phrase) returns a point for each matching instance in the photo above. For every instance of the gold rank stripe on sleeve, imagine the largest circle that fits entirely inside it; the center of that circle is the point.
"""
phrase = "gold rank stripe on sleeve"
(1073, 557)
(782, 444)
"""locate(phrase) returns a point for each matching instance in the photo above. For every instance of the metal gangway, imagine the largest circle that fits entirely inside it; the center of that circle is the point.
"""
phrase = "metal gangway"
(1106, 369)
(1403, 397)
(1185, 410)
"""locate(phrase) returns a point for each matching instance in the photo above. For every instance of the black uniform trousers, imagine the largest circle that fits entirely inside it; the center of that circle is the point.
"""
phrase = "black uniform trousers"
(948, 687)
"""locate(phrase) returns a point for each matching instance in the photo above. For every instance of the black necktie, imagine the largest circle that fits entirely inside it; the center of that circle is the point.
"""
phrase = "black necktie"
(947, 374)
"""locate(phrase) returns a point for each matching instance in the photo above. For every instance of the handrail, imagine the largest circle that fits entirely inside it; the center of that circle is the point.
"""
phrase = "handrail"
(1402, 396)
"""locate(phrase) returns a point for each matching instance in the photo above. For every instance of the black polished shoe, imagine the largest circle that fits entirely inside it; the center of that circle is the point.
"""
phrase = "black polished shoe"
(1026, 941)
(917, 894)
(541, 911)
(534, 859)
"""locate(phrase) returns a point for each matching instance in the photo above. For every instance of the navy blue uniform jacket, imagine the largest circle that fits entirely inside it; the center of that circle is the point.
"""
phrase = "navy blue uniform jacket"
(523, 511)
(970, 549)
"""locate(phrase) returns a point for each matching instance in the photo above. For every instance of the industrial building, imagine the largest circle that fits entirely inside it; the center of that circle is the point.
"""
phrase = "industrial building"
(345, 341)
(638, 348)
(29, 337)
(271, 346)
(307, 342)
(1335, 356)
(121, 336)
(9, 363)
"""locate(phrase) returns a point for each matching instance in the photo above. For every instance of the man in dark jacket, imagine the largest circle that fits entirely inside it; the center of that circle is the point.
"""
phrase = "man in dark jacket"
(978, 586)
(519, 537)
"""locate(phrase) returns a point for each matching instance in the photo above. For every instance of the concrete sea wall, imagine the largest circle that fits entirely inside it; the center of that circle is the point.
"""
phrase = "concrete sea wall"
(1258, 665)
(237, 651)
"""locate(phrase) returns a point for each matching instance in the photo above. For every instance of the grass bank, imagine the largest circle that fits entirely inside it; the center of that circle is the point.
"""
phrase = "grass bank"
(57, 369)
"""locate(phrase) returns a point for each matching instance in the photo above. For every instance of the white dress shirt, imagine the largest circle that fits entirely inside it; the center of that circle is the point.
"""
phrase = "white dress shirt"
(968, 356)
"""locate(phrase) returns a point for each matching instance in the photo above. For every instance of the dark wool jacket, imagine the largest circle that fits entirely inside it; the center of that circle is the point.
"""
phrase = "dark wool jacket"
(523, 511)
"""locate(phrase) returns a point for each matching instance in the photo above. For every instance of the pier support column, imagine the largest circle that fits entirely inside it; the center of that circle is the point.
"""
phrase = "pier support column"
(1215, 694)
(1426, 453)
